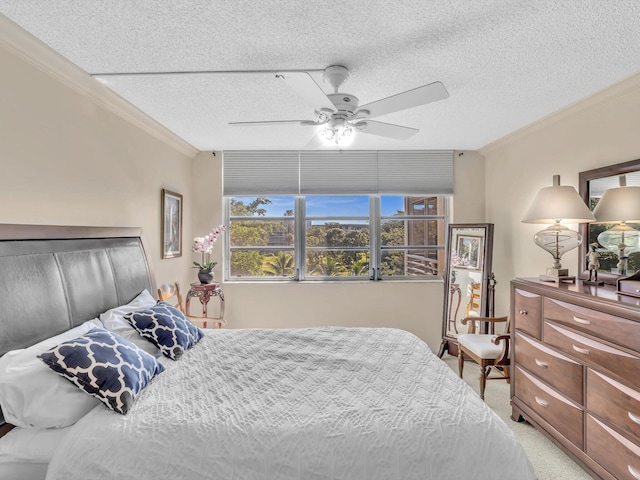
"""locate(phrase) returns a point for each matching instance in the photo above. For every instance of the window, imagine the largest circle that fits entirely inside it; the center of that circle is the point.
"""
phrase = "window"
(318, 214)
(337, 232)
(261, 242)
(339, 237)
(412, 232)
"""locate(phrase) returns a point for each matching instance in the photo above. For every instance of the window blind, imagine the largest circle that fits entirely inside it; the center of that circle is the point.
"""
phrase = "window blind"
(416, 172)
(256, 172)
(332, 172)
(338, 172)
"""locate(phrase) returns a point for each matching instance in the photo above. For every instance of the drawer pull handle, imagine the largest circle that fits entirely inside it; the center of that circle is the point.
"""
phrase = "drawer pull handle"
(523, 312)
(541, 402)
(542, 364)
(582, 321)
(581, 350)
(634, 418)
(633, 472)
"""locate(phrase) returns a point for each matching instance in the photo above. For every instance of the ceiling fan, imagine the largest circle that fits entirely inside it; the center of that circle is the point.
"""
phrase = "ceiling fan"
(340, 114)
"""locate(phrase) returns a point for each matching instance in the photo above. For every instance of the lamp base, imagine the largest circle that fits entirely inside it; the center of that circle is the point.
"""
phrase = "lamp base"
(558, 275)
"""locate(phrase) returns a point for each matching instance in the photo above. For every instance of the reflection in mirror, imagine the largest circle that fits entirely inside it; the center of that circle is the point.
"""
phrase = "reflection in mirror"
(593, 184)
(467, 272)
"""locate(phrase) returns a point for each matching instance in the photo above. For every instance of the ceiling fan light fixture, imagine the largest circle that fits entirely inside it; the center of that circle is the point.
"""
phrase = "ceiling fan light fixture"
(329, 133)
(347, 132)
(338, 130)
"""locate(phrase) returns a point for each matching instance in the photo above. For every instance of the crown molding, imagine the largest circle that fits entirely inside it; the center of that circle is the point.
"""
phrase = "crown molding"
(30, 49)
(611, 93)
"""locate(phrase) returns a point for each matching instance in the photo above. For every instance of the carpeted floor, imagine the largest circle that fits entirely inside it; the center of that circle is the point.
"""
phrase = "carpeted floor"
(548, 460)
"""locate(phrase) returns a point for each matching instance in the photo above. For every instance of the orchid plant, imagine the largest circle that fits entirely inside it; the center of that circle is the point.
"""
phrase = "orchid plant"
(459, 261)
(204, 246)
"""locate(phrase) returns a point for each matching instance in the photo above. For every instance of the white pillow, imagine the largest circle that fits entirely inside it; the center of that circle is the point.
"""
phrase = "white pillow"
(32, 396)
(33, 445)
(23, 471)
(114, 321)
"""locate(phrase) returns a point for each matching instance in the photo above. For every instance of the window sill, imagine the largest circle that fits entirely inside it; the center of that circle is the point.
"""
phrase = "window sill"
(335, 282)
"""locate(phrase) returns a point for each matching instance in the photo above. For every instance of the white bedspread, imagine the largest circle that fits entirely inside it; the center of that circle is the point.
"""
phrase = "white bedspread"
(326, 403)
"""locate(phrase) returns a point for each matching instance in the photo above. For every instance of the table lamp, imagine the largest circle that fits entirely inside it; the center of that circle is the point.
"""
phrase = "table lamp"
(620, 205)
(554, 205)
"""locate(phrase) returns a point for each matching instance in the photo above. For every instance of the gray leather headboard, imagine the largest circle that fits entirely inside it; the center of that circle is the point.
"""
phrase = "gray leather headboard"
(53, 278)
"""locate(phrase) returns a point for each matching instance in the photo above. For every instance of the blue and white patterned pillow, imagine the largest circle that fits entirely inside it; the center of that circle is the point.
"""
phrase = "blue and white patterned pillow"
(104, 365)
(167, 328)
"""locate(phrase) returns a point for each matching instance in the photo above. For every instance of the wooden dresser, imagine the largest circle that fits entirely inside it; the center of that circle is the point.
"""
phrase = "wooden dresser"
(576, 373)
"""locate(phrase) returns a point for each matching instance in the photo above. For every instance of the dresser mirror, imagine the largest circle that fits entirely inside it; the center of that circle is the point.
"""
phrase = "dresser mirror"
(466, 279)
(592, 185)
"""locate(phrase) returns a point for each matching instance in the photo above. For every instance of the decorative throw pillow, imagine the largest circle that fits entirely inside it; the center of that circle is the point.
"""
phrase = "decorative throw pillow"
(114, 321)
(167, 328)
(104, 365)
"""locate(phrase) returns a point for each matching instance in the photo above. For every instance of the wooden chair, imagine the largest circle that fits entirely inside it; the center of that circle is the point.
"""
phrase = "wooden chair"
(475, 299)
(489, 351)
(167, 291)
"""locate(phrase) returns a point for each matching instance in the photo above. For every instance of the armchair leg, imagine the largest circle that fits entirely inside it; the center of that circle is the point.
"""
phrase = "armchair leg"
(460, 361)
(483, 380)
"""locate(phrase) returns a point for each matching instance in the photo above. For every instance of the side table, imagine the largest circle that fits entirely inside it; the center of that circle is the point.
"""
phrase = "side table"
(204, 291)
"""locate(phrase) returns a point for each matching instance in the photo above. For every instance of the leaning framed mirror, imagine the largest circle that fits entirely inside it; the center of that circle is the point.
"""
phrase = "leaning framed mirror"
(467, 274)
(592, 185)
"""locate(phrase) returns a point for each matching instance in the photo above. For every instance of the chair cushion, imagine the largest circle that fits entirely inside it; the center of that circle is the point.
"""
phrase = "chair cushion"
(480, 345)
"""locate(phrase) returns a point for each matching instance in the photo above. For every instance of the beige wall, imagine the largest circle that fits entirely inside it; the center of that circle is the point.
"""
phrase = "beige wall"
(66, 159)
(469, 196)
(598, 131)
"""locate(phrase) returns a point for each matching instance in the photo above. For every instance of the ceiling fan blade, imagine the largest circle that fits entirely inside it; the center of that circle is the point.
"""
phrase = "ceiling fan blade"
(385, 129)
(409, 99)
(269, 122)
(307, 88)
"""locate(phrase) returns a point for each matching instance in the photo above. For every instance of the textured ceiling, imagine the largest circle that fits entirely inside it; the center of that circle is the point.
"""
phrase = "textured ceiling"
(505, 63)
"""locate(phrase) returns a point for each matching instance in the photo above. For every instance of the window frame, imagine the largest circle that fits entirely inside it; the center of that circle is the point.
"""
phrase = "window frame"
(376, 249)
(347, 278)
(444, 216)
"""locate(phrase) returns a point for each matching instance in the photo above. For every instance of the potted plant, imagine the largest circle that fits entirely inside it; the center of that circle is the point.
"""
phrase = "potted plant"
(204, 246)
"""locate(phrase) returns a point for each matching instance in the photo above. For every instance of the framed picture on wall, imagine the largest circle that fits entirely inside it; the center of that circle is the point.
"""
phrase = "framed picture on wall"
(469, 250)
(171, 224)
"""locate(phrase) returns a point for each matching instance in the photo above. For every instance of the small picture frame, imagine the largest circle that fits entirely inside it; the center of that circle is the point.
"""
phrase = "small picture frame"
(171, 224)
(469, 248)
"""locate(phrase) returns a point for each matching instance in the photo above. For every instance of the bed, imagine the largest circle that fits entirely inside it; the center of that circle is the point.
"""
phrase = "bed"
(314, 403)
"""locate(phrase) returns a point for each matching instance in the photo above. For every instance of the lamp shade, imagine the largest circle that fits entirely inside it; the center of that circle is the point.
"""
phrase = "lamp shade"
(558, 203)
(620, 204)
(621, 239)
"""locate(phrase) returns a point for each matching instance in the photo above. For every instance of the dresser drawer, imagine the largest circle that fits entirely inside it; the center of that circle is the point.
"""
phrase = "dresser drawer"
(550, 405)
(593, 353)
(611, 450)
(562, 373)
(614, 402)
(609, 327)
(527, 312)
